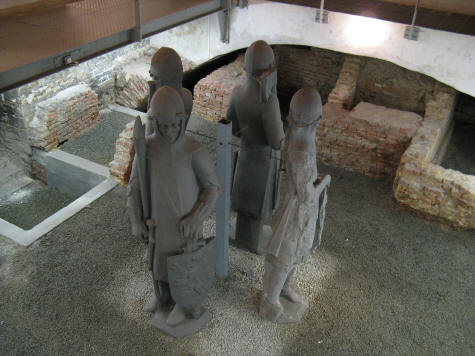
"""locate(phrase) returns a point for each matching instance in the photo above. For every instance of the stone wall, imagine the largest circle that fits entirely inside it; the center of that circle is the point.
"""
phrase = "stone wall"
(212, 93)
(19, 106)
(131, 85)
(386, 84)
(121, 166)
(300, 67)
(369, 139)
(63, 117)
(344, 92)
(428, 187)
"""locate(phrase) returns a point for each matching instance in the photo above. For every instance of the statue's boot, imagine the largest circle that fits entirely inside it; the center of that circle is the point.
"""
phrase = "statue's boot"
(291, 293)
(151, 304)
(274, 280)
(162, 293)
(269, 310)
(176, 316)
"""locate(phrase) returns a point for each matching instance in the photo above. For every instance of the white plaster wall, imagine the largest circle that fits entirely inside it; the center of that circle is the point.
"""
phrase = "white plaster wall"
(445, 56)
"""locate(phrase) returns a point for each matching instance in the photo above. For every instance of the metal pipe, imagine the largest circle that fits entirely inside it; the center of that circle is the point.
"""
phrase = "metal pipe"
(138, 25)
(415, 13)
(322, 3)
(414, 19)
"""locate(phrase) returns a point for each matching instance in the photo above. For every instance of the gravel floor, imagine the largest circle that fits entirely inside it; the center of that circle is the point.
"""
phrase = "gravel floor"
(384, 282)
(97, 144)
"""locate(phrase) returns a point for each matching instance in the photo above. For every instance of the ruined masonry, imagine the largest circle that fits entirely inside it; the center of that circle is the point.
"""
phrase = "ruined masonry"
(212, 93)
(384, 135)
(63, 117)
(425, 186)
(369, 139)
(121, 166)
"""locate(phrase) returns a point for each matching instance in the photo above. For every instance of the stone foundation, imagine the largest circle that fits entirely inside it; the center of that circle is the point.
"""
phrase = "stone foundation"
(300, 67)
(344, 92)
(212, 93)
(428, 187)
(386, 84)
(121, 167)
(63, 117)
(370, 139)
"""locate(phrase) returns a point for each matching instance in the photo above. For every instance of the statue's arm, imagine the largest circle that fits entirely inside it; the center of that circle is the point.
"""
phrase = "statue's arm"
(299, 172)
(272, 123)
(231, 113)
(210, 189)
(134, 203)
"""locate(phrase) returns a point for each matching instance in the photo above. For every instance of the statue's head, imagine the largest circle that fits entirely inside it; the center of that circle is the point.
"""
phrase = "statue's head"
(305, 108)
(259, 64)
(167, 114)
(166, 68)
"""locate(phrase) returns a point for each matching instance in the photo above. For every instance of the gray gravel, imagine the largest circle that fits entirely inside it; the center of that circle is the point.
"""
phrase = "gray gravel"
(384, 282)
(97, 144)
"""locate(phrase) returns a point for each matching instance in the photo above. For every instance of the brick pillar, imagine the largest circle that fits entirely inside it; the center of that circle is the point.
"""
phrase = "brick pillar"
(344, 91)
(121, 166)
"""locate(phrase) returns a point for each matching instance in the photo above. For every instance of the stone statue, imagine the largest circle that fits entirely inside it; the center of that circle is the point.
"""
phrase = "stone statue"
(298, 231)
(172, 189)
(255, 114)
(166, 68)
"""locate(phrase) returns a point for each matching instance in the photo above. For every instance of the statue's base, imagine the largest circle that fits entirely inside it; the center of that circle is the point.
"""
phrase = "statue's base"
(185, 328)
(293, 312)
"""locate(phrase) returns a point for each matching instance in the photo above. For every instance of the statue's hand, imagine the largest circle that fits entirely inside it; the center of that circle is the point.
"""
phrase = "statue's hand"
(141, 230)
(190, 227)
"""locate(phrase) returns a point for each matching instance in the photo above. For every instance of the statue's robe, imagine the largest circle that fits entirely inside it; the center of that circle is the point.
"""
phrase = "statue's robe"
(180, 174)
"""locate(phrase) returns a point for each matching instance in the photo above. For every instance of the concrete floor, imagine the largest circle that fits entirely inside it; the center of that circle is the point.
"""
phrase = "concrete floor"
(384, 282)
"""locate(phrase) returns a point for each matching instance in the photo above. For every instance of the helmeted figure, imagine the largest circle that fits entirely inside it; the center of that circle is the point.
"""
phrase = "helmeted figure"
(255, 114)
(298, 230)
(172, 189)
(166, 68)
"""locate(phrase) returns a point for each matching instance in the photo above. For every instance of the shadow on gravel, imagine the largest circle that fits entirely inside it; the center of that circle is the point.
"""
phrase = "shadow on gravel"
(403, 286)
(62, 295)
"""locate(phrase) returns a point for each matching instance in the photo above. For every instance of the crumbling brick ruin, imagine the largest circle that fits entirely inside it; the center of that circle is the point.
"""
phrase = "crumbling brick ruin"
(379, 119)
(212, 93)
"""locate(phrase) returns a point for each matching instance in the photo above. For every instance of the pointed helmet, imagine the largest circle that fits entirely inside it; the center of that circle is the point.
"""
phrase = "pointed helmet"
(305, 107)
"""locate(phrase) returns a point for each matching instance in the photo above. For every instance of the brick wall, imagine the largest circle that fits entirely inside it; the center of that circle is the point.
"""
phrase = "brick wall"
(121, 166)
(386, 84)
(344, 92)
(428, 187)
(63, 117)
(369, 139)
(300, 67)
(212, 93)
(131, 85)
(19, 106)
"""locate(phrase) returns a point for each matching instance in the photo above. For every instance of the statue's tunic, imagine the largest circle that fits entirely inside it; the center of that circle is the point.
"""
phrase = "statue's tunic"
(189, 175)
(292, 240)
(255, 189)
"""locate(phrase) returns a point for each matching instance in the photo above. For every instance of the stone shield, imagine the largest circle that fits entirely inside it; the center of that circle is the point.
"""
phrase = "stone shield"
(191, 275)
